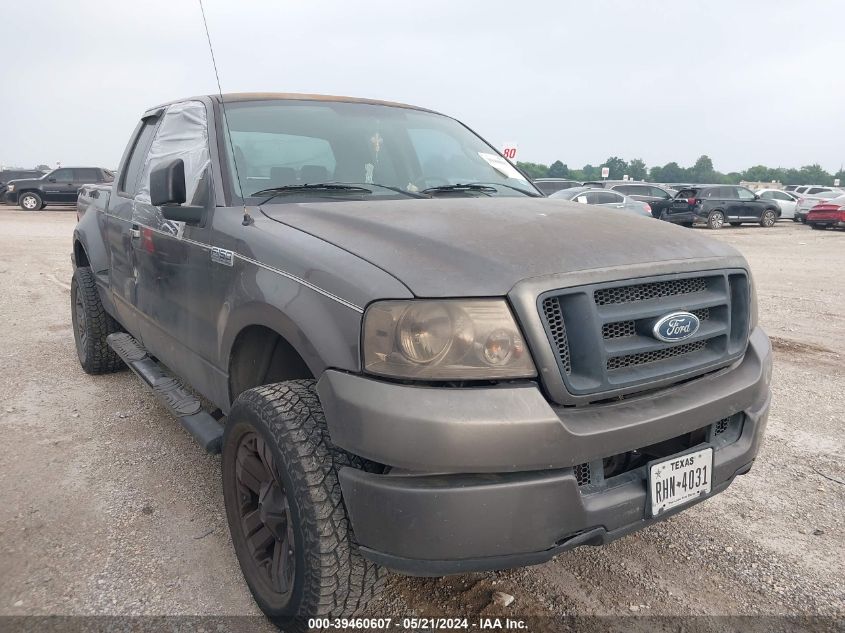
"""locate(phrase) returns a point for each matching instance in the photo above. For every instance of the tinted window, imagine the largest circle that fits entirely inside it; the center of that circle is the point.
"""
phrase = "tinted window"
(606, 197)
(715, 192)
(743, 193)
(132, 169)
(551, 187)
(87, 175)
(62, 175)
(780, 195)
(657, 192)
(628, 190)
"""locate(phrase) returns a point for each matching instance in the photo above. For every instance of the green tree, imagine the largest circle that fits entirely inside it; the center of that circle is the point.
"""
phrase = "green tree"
(558, 170)
(702, 170)
(637, 169)
(815, 175)
(655, 174)
(617, 166)
(534, 170)
(672, 172)
(588, 172)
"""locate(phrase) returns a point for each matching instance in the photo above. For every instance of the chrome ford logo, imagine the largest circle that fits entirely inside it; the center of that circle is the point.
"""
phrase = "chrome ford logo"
(675, 327)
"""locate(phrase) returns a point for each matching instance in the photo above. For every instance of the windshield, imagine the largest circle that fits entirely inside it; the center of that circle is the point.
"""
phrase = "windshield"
(397, 151)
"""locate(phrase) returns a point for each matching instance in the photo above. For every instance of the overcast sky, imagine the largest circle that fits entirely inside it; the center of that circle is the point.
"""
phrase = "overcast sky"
(745, 82)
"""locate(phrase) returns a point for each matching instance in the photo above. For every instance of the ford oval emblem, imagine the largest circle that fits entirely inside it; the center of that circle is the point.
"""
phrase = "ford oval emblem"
(675, 327)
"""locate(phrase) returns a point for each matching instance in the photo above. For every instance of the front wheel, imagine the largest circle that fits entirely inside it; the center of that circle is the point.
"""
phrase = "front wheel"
(283, 502)
(716, 220)
(30, 201)
(768, 219)
(91, 325)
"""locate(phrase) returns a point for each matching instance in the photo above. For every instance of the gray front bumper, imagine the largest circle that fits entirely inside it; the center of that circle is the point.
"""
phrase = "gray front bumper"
(493, 485)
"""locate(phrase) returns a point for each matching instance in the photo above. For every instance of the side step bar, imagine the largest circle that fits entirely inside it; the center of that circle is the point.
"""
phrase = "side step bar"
(170, 391)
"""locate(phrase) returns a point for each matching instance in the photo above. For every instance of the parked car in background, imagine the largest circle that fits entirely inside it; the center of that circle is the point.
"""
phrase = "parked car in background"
(791, 188)
(786, 201)
(714, 205)
(807, 202)
(7, 175)
(550, 185)
(59, 186)
(657, 197)
(603, 198)
(828, 214)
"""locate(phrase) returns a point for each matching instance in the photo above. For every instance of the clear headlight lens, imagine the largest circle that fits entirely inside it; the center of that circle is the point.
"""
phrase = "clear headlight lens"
(469, 339)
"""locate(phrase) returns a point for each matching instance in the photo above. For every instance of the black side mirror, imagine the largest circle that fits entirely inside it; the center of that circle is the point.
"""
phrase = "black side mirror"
(167, 190)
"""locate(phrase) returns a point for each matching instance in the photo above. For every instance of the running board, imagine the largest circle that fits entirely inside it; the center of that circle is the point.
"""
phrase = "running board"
(170, 391)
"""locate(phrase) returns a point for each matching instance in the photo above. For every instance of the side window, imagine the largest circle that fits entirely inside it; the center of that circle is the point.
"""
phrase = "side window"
(132, 169)
(183, 133)
(713, 192)
(87, 175)
(813, 190)
(744, 194)
(657, 192)
(607, 197)
(62, 175)
(779, 195)
(770, 195)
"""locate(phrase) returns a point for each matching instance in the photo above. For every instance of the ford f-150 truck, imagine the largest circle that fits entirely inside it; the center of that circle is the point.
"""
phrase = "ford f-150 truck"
(409, 358)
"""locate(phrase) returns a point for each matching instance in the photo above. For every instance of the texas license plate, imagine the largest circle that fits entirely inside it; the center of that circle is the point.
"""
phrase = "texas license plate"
(680, 479)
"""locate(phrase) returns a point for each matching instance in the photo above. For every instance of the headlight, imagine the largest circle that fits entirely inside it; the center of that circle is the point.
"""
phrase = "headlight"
(471, 339)
(10, 187)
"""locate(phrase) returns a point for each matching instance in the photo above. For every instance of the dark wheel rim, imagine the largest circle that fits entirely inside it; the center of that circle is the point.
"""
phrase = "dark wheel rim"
(81, 330)
(264, 514)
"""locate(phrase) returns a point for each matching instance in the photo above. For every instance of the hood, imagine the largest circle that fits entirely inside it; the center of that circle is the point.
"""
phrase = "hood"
(484, 246)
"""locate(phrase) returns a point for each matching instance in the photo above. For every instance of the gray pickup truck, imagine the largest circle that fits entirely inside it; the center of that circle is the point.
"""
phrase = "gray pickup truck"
(409, 358)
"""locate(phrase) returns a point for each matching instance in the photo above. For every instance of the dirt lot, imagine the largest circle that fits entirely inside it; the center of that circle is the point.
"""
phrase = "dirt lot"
(107, 506)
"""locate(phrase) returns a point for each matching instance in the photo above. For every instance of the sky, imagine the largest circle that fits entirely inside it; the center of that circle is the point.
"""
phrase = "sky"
(751, 82)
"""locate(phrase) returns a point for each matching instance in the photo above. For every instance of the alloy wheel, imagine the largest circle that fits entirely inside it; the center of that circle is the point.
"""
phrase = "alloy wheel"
(265, 515)
(29, 203)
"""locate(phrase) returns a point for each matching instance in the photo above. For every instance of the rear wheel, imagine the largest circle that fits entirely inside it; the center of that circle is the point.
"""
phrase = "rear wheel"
(716, 220)
(30, 201)
(283, 502)
(768, 219)
(818, 227)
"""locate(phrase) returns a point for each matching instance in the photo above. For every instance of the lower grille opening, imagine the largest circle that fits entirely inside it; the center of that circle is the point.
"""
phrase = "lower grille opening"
(618, 362)
(599, 473)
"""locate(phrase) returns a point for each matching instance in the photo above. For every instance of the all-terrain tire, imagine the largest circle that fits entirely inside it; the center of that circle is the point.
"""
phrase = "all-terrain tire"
(91, 325)
(329, 577)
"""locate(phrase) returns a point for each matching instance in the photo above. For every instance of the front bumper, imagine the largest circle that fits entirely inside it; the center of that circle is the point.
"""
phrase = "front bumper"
(10, 197)
(483, 478)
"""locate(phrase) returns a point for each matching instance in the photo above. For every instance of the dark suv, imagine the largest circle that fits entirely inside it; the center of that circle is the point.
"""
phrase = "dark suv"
(658, 198)
(59, 186)
(7, 175)
(713, 205)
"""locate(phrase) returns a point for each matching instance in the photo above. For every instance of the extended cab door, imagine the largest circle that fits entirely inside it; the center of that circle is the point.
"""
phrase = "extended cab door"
(176, 306)
(120, 232)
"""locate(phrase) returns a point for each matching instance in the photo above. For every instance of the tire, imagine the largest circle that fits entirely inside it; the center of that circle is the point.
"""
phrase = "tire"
(818, 227)
(768, 219)
(687, 225)
(91, 325)
(290, 489)
(736, 223)
(30, 201)
(716, 220)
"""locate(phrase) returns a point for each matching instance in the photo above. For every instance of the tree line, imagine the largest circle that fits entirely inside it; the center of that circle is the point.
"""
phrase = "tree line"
(701, 172)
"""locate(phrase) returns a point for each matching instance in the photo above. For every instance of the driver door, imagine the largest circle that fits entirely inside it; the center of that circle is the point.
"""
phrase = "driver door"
(58, 184)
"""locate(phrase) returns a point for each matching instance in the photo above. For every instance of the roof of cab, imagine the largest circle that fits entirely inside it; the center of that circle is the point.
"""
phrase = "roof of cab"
(234, 97)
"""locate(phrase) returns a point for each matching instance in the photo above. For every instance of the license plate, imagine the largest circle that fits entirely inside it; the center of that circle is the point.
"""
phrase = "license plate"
(679, 480)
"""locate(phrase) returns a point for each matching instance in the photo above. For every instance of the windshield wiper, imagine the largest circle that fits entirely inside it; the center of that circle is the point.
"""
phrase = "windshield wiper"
(317, 186)
(486, 189)
(531, 194)
(412, 194)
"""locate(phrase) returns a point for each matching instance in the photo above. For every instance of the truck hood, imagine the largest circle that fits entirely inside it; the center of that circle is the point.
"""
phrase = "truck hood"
(484, 246)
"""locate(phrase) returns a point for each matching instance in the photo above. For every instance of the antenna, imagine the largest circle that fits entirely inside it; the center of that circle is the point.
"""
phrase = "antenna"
(247, 218)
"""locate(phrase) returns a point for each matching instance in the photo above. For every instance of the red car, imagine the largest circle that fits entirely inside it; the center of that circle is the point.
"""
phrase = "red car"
(828, 213)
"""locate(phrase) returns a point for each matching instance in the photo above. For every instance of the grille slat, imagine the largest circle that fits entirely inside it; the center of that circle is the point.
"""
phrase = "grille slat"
(554, 320)
(651, 290)
(643, 358)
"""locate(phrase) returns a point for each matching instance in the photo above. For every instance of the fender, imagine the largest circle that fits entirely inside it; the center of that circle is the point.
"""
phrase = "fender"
(89, 249)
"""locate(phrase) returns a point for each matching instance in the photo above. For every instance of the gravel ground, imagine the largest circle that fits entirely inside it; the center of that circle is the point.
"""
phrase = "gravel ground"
(108, 508)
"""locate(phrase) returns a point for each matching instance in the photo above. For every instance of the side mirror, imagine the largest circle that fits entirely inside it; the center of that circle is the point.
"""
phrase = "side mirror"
(167, 190)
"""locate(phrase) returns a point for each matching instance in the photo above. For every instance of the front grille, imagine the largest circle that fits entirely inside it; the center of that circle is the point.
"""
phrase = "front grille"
(602, 336)
(722, 425)
(582, 474)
